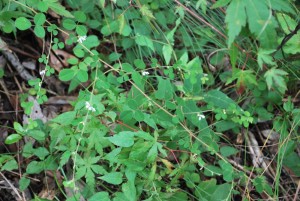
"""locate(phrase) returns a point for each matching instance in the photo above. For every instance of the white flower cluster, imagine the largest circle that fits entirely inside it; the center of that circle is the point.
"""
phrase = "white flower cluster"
(89, 107)
(144, 73)
(200, 116)
(81, 39)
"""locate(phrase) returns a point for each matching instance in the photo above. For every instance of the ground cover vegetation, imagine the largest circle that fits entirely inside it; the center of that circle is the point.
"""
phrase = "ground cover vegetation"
(164, 100)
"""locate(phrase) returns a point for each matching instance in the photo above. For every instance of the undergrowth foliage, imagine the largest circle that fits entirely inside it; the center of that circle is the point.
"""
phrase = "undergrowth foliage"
(165, 88)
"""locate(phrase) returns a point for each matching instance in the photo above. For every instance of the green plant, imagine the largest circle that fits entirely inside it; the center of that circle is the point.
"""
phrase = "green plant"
(152, 122)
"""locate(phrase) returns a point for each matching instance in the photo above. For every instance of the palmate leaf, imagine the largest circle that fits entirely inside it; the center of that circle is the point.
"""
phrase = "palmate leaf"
(261, 22)
(235, 19)
(274, 78)
(259, 17)
(242, 77)
(263, 56)
(282, 5)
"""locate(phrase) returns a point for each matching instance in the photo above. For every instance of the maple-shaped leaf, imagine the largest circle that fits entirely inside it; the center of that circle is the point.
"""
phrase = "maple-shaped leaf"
(243, 78)
(261, 22)
(263, 56)
(274, 78)
(235, 19)
(283, 5)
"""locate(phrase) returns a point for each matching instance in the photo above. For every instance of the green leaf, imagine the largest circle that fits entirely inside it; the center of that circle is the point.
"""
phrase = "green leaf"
(274, 78)
(82, 76)
(233, 55)
(42, 6)
(261, 22)
(34, 167)
(18, 127)
(1, 73)
(10, 165)
(65, 118)
(123, 139)
(114, 178)
(139, 63)
(228, 151)
(261, 185)
(146, 11)
(81, 30)
(222, 193)
(103, 196)
(144, 41)
(235, 19)
(41, 152)
(58, 8)
(13, 138)
(37, 134)
(263, 56)
(227, 170)
(39, 31)
(220, 3)
(24, 183)
(110, 28)
(288, 106)
(165, 89)
(286, 22)
(67, 74)
(39, 19)
(64, 158)
(78, 52)
(243, 77)
(282, 5)
(22, 23)
(218, 98)
(91, 41)
(80, 16)
(127, 68)
(69, 24)
(167, 52)
(129, 191)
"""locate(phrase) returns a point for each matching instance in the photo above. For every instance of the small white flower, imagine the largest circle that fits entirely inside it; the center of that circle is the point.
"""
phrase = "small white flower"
(81, 39)
(200, 116)
(205, 75)
(144, 73)
(43, 72)
(89, 107)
